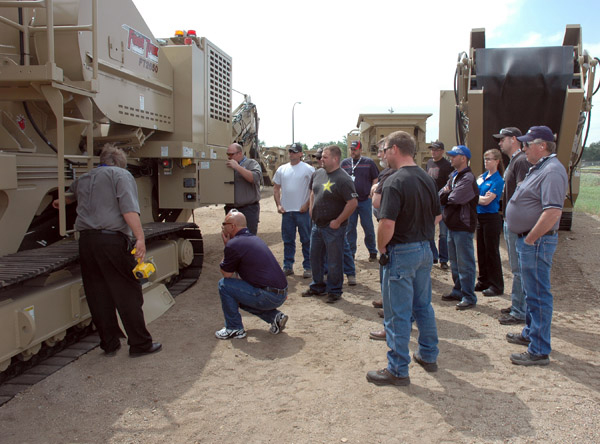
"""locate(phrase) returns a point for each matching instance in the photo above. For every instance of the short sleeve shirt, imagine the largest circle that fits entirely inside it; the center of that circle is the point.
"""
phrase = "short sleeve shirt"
(493, 184)
(251, 258)
(246, 193)
(331, 192)
(103, 196)
(545, 186)
(410, 199)
(439, 171)
(294, 180)
(516, 171)
(363, 172)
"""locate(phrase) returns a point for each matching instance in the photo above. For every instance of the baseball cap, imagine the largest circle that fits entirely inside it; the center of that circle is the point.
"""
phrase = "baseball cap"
(437, 145)
(460, 149)
(538, 132)
(509, 131)
(296, 147)
(356, 145)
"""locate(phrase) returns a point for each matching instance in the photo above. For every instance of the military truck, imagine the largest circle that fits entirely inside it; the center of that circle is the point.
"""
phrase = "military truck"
(371, 128)
(75, 75)
(499, 87)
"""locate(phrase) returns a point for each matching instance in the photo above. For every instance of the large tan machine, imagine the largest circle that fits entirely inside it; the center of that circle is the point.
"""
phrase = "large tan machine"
(522, 87)
(74, 75)
(374, 127)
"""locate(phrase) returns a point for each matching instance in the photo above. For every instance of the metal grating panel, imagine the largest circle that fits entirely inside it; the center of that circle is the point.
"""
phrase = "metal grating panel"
(219, 87)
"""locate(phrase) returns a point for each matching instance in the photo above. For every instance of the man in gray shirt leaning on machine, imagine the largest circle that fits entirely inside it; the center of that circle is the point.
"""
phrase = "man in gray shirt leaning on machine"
(246, 181)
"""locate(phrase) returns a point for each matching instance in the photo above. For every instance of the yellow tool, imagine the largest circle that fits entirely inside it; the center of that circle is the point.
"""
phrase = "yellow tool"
(143, 270)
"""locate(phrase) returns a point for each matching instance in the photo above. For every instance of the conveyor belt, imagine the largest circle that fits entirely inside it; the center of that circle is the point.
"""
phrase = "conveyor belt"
(19, 267)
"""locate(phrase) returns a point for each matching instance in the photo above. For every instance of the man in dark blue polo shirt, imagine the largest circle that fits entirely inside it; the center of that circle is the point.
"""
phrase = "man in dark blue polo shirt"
(262, 286)
(364, 173)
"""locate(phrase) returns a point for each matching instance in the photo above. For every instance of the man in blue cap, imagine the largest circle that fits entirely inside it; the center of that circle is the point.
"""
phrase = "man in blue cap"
(459, 199)
(533, 213)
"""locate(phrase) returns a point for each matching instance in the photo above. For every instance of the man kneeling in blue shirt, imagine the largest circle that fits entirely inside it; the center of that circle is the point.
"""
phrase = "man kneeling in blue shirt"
(262, 286)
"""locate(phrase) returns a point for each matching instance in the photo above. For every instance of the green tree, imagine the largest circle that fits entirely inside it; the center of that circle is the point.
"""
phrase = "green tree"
(591, 153)
(343, 144)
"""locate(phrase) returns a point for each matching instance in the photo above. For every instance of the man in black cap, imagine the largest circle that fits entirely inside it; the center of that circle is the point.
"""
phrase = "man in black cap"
(439, 168)
(292, 196)
(533, 213)
(513, 175)
(364, 173)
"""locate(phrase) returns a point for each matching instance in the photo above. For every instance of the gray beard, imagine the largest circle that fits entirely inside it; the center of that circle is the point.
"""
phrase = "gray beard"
(383, 163)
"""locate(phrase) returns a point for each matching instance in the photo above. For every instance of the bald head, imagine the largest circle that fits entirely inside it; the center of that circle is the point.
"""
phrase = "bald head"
(236, 218)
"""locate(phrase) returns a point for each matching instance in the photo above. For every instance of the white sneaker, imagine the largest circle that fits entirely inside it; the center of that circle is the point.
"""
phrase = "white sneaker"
(307, 274)
(226, 333)
(351, 280)
(278, 324)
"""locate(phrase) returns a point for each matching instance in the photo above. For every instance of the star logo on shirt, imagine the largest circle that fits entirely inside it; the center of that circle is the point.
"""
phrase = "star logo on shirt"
(327, 186)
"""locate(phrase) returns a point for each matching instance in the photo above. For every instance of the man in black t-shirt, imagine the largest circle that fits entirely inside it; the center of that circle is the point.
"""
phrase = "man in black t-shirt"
(333, 199)
(439, 168)
(409, 210)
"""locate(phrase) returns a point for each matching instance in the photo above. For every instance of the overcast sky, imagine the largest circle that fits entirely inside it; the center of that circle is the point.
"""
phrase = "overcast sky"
(344, 58)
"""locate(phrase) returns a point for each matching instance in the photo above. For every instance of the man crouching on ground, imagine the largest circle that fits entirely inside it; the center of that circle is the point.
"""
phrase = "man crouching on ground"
(409, 210)
(262, 286)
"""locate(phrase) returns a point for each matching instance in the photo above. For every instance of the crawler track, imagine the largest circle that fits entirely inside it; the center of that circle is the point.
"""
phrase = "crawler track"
(17, 268)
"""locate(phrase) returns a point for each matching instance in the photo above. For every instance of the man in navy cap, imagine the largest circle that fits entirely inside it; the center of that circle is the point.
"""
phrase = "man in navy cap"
(459, 198)
(533, 213)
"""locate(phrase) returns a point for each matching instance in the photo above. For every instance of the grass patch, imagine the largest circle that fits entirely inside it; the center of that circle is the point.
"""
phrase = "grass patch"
(589, 194)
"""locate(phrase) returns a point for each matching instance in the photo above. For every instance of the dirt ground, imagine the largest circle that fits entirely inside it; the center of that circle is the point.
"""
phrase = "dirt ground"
(308, 384)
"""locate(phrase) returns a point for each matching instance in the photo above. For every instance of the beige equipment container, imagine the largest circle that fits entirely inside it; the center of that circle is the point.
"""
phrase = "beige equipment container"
(75, 75)
(272, 158)
(374, 127)
(522, 87)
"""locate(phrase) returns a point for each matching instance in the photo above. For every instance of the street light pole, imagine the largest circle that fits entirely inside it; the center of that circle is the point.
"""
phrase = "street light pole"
(293, 140)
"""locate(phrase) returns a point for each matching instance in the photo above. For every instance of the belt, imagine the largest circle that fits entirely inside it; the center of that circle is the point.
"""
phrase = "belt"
(100, 232)
(549, 233)
(277, 291)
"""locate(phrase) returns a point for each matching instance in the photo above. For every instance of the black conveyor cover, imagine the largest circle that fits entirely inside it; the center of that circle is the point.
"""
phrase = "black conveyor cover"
(523, 87)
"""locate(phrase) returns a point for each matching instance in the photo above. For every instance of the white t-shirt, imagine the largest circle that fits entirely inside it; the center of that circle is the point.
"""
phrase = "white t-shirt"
(294, 180)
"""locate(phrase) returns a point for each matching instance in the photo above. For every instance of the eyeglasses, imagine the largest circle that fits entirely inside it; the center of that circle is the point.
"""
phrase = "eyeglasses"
(227, 223)
(385, 148)
(231, 154)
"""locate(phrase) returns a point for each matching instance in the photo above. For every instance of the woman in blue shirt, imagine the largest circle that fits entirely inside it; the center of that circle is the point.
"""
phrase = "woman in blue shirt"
(489, 225)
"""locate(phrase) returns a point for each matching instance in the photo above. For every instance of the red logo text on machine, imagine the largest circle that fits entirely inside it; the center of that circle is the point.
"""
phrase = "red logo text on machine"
(141, 45)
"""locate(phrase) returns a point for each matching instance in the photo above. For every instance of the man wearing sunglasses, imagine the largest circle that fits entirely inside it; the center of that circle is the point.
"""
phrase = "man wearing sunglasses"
(246, 182)
(261, 287)
(533, 213)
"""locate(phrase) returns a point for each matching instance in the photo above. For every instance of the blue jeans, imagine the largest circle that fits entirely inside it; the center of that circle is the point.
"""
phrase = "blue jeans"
(365, 211)
(462, 264)
(289, 222)
(442, 255)
(518, 308)
(536, 262)
(327, 244)
(406, 291)
(237, 293)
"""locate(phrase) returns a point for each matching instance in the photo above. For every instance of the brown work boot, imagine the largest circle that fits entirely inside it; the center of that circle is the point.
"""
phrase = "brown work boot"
(384, 377)
(378, 303)
(378, 335)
